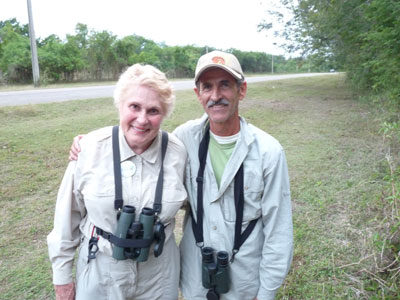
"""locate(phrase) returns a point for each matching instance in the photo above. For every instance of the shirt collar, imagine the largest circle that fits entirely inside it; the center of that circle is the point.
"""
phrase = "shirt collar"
(150, 155)
(247, 136)
(244, 133)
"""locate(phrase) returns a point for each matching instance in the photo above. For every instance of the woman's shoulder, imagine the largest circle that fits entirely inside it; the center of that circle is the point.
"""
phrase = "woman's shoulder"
(175, 145)
(96, 137)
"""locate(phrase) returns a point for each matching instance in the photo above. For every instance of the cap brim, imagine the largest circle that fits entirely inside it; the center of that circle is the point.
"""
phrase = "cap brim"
(235, 74)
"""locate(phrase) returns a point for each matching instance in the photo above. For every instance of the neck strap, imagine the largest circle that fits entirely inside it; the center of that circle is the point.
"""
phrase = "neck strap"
(118, 202)
(197, 227)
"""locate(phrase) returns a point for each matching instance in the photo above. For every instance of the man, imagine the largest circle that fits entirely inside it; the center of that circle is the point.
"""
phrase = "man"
(241, 188)
(262, 261)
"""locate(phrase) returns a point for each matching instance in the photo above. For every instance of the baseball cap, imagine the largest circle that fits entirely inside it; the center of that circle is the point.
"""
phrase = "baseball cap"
(219, 59)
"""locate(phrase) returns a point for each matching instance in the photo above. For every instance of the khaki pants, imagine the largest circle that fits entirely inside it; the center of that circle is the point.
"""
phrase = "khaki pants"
(105, 278)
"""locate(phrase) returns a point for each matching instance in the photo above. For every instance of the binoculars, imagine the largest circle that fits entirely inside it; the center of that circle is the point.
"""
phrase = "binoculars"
(145, 228)
(215, 275)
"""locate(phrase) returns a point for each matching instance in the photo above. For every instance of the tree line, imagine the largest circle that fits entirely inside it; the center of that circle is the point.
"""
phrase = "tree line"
(359, 37)
(90, 55)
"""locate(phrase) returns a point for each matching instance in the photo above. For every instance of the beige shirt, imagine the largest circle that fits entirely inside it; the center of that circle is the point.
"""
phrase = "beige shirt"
(86, 196)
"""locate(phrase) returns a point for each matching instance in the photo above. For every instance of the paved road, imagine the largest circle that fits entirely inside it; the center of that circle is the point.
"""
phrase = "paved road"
(106, 91)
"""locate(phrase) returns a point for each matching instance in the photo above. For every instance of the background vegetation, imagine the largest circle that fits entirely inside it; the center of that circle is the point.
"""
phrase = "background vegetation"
(89, 55)
(356, 36)
(343, 161)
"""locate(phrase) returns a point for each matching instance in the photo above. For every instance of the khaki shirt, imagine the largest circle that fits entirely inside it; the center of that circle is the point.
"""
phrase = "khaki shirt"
(264, 259)
(86, 197)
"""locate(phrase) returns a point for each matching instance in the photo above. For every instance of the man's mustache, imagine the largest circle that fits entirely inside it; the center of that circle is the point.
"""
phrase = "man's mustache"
(221, 101)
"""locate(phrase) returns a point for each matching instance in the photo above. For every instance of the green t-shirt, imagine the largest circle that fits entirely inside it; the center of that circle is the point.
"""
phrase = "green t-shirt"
(219, 154)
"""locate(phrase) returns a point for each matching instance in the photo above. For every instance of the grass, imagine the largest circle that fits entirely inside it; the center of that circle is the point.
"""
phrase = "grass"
(337, 165)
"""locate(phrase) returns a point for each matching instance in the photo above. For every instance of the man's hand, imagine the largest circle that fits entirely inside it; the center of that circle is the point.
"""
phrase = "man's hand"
(75, 148)
(65, 291)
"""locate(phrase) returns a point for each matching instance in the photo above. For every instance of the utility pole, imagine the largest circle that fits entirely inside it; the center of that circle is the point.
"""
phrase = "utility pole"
(272, 64)
(35, 62)
(272, 60)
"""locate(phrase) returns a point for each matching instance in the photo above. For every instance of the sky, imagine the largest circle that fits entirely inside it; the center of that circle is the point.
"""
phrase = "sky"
(222, 24)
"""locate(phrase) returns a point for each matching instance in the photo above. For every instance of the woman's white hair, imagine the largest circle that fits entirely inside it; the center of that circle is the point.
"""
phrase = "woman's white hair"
(149, 76)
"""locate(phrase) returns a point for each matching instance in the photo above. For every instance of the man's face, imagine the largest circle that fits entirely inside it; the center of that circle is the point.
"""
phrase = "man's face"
(219, 94)
(141, 114)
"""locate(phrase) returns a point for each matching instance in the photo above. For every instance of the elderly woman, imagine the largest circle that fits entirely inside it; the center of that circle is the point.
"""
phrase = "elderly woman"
(90, 217)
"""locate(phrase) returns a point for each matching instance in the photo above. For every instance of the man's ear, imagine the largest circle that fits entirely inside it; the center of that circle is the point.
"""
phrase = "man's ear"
(197, 93)
(243, 90)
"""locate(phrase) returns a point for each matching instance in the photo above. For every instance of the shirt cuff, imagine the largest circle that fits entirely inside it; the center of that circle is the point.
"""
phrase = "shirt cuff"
(62, 276)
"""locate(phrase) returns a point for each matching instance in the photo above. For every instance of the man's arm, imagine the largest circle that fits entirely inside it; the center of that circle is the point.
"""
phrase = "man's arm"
(75, 147)
(278, 228)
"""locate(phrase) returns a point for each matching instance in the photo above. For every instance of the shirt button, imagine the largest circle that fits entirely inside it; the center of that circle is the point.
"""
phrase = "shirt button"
(214, 227)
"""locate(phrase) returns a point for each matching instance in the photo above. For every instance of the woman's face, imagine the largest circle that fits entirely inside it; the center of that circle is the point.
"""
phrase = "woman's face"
(141, 115)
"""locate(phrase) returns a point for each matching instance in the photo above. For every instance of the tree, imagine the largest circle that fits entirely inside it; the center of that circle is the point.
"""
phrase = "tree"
(75, 56)
(51, 59)
(357, 36)
(60, 60)
(15, 60)
(101, 58)
(15, 50)
(125, 49)
(81, 37)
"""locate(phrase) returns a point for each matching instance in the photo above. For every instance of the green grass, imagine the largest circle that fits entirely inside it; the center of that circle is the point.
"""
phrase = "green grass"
(337, 166)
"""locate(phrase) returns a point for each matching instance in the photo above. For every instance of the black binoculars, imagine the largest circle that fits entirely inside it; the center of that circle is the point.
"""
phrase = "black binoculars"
(146, 228)
(215, 275)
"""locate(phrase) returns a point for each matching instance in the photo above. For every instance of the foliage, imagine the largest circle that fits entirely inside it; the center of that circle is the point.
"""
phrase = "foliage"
(90, 55)
(125, 50)
(356, 36)
(16, 59)
(101, 58)
(59, 60)
(9, 30)
(15, 56)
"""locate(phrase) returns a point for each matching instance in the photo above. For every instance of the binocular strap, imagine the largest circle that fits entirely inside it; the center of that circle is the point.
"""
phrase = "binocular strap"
(197, 227)
(124, 243)
(118, 202)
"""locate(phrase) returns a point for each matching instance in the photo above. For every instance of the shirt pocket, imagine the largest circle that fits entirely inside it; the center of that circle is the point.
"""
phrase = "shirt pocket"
(253, 193)
(172, 201)
(99, 200)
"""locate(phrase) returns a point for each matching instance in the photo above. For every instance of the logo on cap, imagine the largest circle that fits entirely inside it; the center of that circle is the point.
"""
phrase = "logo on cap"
(218, 60)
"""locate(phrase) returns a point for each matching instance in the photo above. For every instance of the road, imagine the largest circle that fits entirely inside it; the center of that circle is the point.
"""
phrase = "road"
(77, 93)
